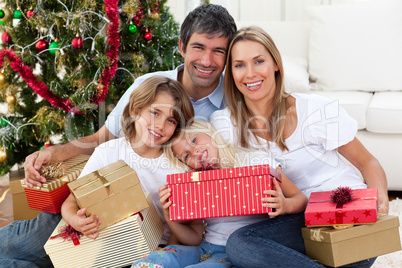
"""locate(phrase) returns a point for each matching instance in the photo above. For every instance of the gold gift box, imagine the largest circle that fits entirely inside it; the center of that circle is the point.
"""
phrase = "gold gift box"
(117, 245)
(340, 247)
(21, 210)
(112, 192)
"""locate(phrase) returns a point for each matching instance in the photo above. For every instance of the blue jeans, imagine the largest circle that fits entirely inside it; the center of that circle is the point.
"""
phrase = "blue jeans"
(21, 242)
(177, 256)
(276, 242)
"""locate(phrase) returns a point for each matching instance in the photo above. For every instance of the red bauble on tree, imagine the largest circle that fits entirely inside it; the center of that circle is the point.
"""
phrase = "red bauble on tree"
(78, 43)
(6, 38)
(41, 45)
(30, 13)
(148, 34)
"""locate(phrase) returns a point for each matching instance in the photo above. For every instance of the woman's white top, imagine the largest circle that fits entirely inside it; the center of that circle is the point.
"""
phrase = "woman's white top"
(218, 230)
(151, 172)
(312, 162)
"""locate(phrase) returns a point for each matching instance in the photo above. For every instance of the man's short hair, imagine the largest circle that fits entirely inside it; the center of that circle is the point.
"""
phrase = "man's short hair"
(211, 19)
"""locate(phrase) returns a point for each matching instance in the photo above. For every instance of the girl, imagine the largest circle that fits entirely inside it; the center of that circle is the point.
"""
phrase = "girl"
(156, 111)
(202, 147)
(305, 132)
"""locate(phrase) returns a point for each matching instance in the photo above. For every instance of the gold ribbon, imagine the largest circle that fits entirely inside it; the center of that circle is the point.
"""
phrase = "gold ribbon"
(316, 234)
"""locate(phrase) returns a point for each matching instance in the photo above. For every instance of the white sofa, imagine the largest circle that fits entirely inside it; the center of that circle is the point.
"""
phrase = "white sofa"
(351, 54)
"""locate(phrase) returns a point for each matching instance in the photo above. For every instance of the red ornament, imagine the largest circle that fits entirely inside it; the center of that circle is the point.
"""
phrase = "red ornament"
(148, 36)
(44, 146)
(6, 38)
(78, 43)
(41, 45)
(30, 13)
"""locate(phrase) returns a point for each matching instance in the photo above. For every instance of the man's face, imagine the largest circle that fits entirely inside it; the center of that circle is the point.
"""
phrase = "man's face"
(204, 59)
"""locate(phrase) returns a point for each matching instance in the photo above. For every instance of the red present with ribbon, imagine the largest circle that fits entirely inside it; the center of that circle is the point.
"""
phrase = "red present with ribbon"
(323, 211)
(54, 191)
(220, 193)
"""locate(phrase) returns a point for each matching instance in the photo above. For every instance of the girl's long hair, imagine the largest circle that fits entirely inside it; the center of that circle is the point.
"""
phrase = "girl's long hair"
(145, 94)
(226, 152)
(240, 114)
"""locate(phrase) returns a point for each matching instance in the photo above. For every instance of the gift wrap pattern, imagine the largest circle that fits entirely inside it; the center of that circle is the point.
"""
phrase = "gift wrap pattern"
(117, 245)
(340, 247)
(53, 192)
(220, 193)
(112, 192)
(321, 211)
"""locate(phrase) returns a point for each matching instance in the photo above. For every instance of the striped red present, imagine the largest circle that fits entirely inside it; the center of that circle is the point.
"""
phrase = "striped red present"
(52, 194)
(220, 193)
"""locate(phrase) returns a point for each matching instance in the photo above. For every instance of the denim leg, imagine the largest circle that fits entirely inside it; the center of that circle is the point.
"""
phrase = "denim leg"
(174, 256)
(217, 257)
(22, 241)
(276, 242)
(361, 264)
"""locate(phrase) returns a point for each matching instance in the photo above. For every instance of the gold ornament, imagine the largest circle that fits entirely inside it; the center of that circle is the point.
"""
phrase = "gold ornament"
(155, 15)
(2, 78)
(3, 154)
(100, 86)
(10, 99)
(7, 14)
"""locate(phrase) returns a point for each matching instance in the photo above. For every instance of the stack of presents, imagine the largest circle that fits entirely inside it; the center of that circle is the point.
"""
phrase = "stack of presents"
(336, 233)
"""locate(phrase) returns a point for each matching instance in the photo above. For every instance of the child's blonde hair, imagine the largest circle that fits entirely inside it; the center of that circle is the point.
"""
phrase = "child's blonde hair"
(226, 152)
(145, 94)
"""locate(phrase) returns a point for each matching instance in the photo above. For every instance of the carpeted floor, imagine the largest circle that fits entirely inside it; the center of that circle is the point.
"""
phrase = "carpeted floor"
(392, 260)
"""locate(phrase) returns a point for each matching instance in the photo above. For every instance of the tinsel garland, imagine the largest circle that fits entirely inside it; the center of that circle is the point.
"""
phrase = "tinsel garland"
(38, 86)
(112, 11)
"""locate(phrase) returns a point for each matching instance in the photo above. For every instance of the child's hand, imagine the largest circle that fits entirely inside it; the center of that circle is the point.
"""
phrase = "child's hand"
(276, 201)
(86, 225)
(164, 194)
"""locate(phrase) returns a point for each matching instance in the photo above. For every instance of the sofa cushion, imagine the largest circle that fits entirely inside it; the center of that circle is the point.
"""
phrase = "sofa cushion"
(296, 75)
(355, 103)
(356, 46)
(384, 113)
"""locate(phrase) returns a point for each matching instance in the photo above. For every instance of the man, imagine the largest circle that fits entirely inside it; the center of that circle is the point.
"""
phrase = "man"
(204, 38)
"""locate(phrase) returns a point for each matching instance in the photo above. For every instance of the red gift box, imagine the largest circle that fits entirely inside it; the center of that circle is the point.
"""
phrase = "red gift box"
(220, 193)
(53, 192)
(321, 211)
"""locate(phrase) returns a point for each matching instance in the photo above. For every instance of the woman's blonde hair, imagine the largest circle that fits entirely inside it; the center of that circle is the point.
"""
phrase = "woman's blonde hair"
(235, 99)
(145, 94)
(226, 152)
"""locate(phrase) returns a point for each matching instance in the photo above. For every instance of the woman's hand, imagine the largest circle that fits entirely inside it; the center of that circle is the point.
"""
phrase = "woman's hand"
(164, 194)
(277, 201)
(87, 225)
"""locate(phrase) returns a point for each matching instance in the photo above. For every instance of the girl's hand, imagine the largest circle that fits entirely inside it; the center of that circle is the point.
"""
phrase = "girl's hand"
(164, 194)
(276, 201)
(87, 225)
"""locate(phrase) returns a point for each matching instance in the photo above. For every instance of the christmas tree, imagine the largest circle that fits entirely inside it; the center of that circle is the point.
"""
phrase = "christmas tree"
(64, 64)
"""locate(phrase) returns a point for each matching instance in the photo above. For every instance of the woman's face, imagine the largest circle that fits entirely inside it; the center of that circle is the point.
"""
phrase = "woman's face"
(253, 70)
(198, 151)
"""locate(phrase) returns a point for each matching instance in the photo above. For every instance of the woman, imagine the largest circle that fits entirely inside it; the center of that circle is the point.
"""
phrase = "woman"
(304, 133)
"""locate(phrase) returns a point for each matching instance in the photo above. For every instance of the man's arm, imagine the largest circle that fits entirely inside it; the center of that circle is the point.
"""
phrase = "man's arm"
(58, 153)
